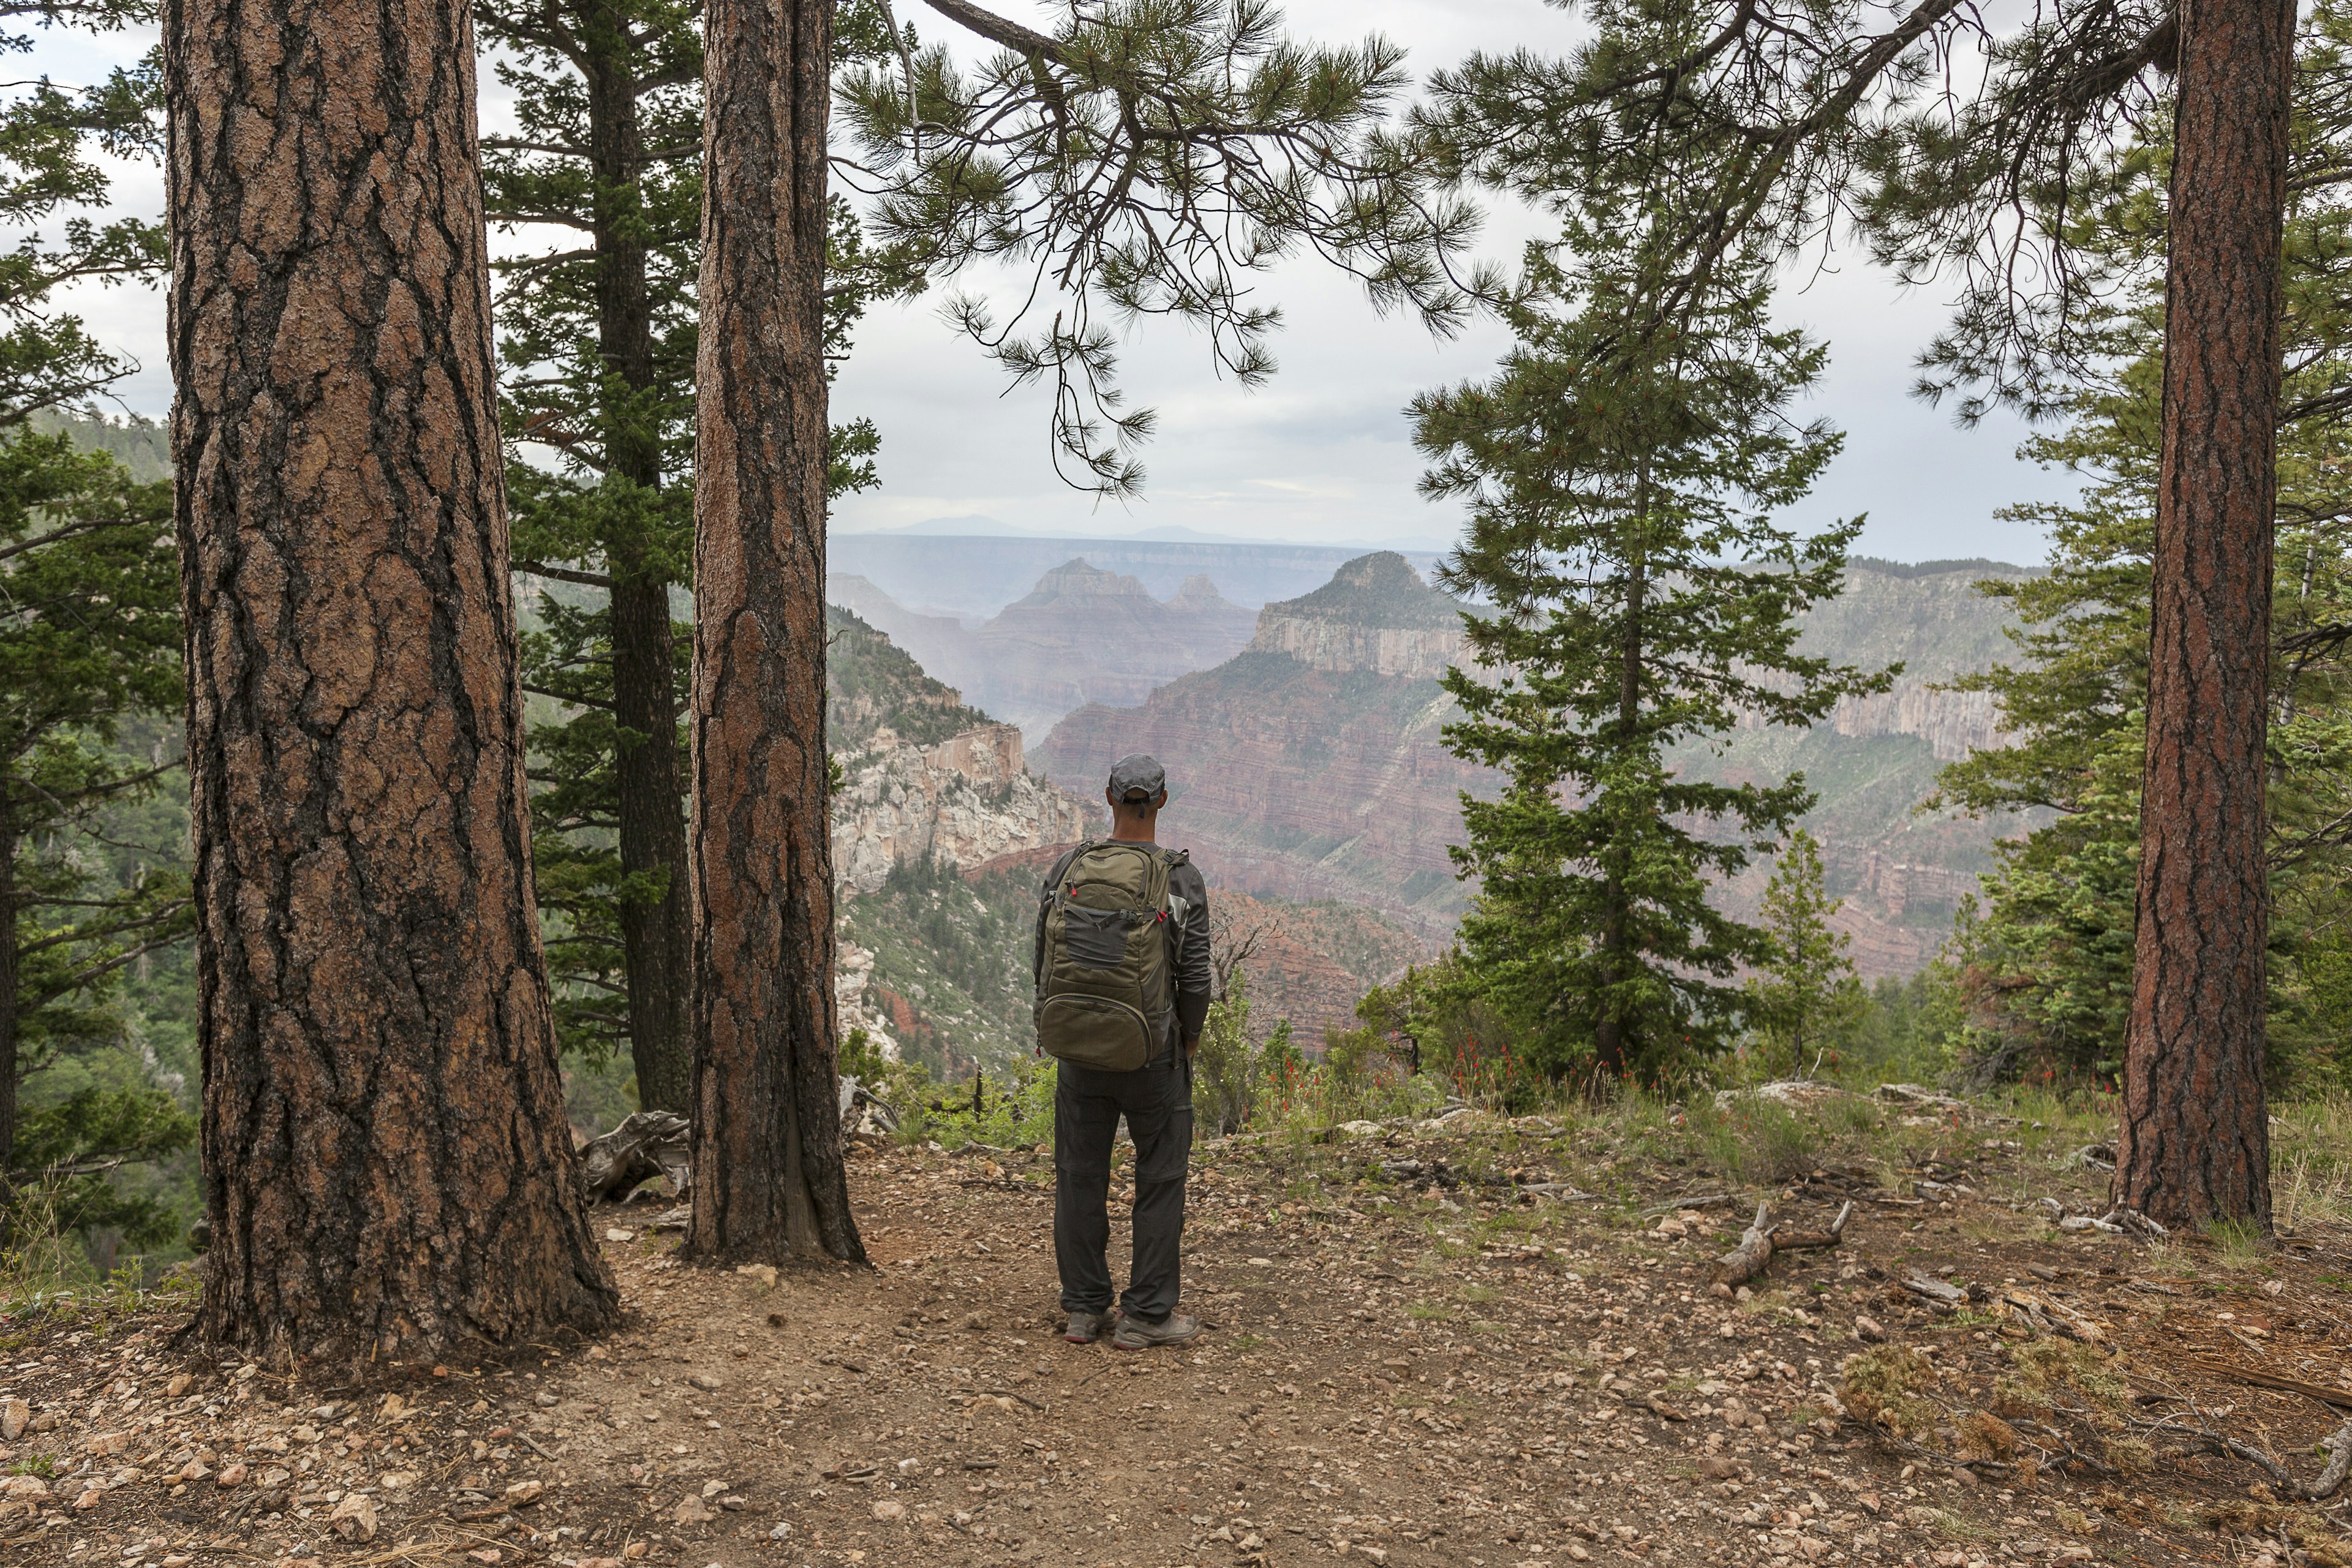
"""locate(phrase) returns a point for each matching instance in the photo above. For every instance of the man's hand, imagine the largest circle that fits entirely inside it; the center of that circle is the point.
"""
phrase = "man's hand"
(1191, 1045)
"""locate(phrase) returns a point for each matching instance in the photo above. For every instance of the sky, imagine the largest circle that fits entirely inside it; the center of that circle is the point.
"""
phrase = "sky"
(1322, 453)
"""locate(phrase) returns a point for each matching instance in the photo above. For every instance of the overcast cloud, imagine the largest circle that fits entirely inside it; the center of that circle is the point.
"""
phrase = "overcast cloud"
(1322, 454)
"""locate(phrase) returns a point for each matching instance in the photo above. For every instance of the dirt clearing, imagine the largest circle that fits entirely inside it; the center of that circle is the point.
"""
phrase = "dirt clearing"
(1481, 1342)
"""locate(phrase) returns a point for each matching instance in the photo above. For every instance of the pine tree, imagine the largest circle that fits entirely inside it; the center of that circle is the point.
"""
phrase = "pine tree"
(89, 657)
(1807, 997)
(1143, 160)
(1622, 472)
(598, 344)
(2050, 983)
(386, 1167)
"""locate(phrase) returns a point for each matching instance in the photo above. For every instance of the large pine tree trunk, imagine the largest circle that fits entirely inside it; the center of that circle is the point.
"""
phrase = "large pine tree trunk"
(656, 936)
(2195, 1144)
(387, 1164)
(768, 1173)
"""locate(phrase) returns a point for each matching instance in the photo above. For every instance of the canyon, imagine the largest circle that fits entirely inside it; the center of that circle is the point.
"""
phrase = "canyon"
(940, 835)
(1312, 764)
(1080, 635)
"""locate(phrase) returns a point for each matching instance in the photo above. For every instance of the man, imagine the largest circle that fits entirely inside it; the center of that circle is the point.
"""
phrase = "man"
(1123, 981)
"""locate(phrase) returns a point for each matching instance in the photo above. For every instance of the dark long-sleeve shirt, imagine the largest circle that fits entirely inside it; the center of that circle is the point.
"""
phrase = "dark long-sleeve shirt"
(1194, 979)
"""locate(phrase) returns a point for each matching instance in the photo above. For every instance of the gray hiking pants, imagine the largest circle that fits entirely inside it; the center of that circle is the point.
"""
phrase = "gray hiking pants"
(1157, 1100)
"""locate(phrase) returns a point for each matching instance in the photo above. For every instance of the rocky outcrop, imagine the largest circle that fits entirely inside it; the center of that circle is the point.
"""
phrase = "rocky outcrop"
(1376, 614)
(1953, 723)
(858, 1000)
(958, 802)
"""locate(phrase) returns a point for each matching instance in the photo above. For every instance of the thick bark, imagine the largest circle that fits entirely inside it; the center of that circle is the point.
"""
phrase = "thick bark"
(655, 937)
(387, 1163)
(2194, 1144)
(769, 1179)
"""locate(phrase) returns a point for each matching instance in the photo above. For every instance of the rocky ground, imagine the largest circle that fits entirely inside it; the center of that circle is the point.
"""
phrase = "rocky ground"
(1481, 1342)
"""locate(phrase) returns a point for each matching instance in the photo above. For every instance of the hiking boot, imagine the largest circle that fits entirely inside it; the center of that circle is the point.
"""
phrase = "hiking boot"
(1086, 1328)
(1175, 1329)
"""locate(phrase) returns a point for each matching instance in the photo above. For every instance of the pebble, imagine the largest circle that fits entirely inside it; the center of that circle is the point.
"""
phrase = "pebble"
(355, 1517)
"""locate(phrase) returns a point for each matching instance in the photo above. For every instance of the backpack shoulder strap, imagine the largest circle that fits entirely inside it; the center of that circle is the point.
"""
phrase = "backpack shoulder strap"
(1062, 867)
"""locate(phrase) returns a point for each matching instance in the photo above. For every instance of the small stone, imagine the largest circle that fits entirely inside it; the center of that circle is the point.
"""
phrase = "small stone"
(1579, 1553)
(545, 1400)
(15, 1416)
(691, 1511)
(230, 1475)
(89, 1500)
(1870, 1329)
(712, 1488)
(522, 1494)
(889, 1508)
(180, 1383)
(355, 1517)
(1715, 1467)
(614, 1233)
(704, 1381)
(485, 1554)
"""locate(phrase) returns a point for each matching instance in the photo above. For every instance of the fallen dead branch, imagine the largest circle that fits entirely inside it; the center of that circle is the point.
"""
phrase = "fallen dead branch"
(2330, 1482)
(2117, 1221)
(2340, 1398)
(1761, 1241)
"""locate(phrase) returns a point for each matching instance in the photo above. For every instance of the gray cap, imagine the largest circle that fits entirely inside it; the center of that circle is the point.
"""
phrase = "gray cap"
(1137, 777)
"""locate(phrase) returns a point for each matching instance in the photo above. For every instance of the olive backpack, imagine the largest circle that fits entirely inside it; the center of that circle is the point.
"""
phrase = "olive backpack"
(1108, 938)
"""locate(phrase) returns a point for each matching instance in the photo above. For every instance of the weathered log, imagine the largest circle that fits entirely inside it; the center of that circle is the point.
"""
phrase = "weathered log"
(1760, 1242)
(1750, 1257)
(649, 1144)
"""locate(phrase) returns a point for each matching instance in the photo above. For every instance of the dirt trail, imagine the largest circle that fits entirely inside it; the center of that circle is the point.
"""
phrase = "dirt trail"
(1460, 1373)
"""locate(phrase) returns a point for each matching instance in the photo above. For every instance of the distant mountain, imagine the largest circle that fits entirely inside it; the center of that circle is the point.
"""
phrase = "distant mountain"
(1309, 766)
(1082, 635)
(974, 577)
(1312, 766)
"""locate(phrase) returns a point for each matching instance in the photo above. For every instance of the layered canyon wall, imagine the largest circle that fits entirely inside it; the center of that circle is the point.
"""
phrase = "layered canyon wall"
(1313, 764)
